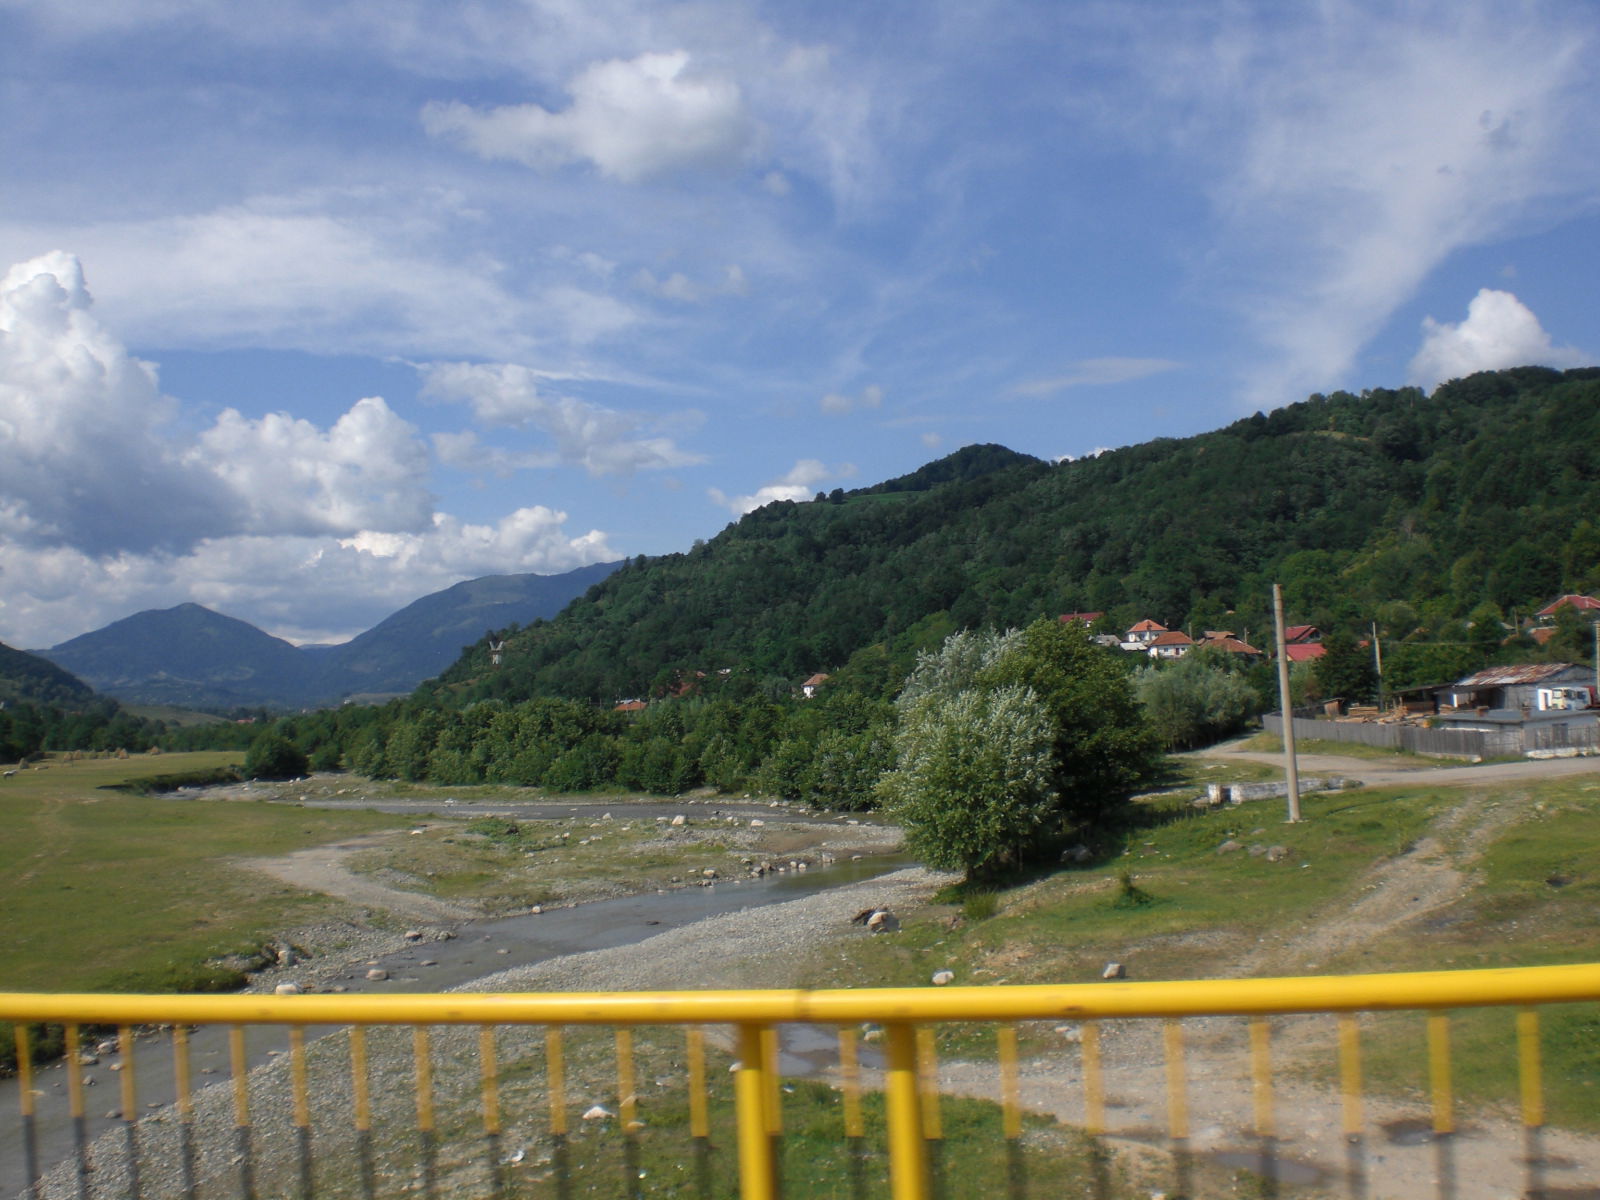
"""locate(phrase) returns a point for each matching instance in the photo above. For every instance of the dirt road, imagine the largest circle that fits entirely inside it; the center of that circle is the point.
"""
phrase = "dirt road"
(1409, 773)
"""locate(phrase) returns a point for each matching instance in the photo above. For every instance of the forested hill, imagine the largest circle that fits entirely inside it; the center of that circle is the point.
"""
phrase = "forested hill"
(31, 679)
(1419, 512)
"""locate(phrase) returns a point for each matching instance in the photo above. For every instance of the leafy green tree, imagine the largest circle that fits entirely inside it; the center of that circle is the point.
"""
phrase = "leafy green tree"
(1008, 742)
(273, 756)
(1346, 670)
(1195, 700)
(1104, 747)
(973, 782)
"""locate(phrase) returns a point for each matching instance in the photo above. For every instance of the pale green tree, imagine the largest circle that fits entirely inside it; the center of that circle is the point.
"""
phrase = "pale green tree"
(972, 787)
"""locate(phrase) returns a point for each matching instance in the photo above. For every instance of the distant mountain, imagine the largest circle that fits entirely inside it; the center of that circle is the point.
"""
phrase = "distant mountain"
(192, 657)
(429, 634)
(27, 677)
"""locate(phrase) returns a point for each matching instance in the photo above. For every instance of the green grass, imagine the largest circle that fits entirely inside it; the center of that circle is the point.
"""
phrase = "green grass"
(1195, 771)
(107, 891)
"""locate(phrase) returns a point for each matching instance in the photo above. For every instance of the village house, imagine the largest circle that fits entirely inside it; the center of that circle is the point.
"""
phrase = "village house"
(808, 689)
(1586, 606)
(1229, 642)
(1142, 634)
(1087, 618)
(1173, 643)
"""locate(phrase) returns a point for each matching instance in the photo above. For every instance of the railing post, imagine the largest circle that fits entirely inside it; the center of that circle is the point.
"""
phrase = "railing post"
(757, 1166)
(908, 1164)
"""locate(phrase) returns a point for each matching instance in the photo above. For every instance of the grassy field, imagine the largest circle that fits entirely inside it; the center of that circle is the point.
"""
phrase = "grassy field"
(103, 890)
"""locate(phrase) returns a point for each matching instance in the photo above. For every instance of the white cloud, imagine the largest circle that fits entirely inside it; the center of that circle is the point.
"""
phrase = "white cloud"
(839, 403)
(84, 430)
(366, 472)
(931, 440)
(358, 270)
(1499, 331)
(602, 440)
(799, 483)
(1348, 151)
(1096, 371)
(633, 119)
(93, 461)
(681, 288)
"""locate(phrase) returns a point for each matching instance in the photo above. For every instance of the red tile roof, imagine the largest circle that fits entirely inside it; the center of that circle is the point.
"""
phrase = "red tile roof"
(1088, 618)
(1233, 646)
(1173, 637)
(1148, 627)
(1298, 633)
(1581, 603)
(1301, 651)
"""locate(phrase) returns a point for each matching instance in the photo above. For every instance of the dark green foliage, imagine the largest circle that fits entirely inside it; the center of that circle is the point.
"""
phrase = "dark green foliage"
(155, 785)
(1007, 744)
(27, 677)
(1130, 894)
(1484, 492)
(273, 756)
(1197, 699)
(1347, 670)
(1444, 519)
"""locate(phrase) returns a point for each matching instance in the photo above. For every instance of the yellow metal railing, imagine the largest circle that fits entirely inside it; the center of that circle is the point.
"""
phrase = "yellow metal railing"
(909, 1074)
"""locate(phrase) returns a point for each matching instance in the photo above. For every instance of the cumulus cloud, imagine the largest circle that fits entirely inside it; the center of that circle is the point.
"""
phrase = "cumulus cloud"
(84, 429)
(360, 270)
(799, 483)
(364, 473)
(93, 459)
(1499, 331)
(602, 440)
(839, 403)
(633, 119)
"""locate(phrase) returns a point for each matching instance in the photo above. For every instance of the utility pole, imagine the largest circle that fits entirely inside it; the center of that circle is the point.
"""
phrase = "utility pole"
(1291, 768)
(1377, 656)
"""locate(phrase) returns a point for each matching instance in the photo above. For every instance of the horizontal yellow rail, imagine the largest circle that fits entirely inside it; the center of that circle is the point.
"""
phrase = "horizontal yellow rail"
(1077, 1002)
(909, 1068)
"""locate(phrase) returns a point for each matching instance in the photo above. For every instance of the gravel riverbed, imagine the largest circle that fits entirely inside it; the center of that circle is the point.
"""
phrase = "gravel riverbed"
(757, 947)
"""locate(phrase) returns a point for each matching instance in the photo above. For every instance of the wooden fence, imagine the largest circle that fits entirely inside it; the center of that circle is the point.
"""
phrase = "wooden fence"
(1578, 736)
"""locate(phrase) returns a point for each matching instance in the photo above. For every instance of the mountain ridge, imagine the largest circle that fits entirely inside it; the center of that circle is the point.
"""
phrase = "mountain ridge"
(195, 657)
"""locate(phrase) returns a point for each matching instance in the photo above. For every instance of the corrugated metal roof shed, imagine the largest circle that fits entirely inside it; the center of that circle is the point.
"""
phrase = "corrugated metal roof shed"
(1522, 673)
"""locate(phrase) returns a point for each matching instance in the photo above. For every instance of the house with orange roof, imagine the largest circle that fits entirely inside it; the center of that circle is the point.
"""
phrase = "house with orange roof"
(1142, 634)
(1173, 643)
(1583, 605)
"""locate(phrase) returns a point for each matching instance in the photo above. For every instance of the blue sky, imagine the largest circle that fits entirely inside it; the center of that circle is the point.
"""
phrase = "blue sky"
(308, 310)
